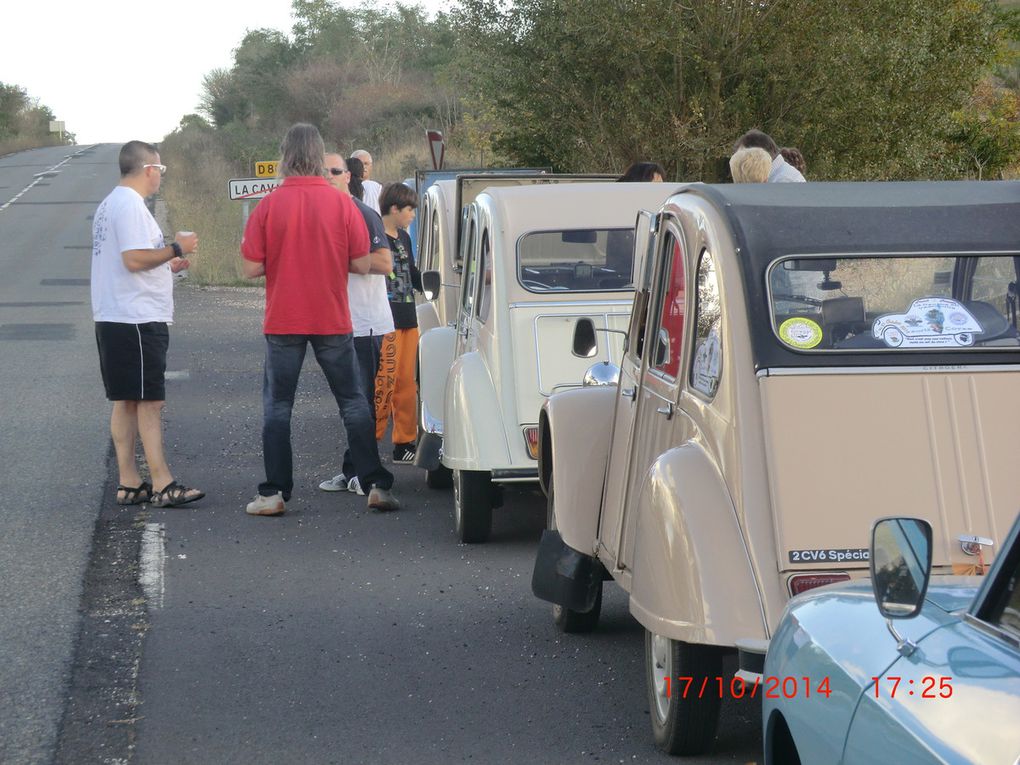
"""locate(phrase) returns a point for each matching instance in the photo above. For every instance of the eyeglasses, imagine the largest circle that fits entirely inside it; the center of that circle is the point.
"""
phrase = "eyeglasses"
(337, 171)
(161, 168)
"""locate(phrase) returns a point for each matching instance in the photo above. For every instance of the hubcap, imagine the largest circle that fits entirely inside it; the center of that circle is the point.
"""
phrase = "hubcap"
(662, 667)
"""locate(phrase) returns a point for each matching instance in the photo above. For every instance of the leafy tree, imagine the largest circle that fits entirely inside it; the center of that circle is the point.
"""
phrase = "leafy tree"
(864, 87)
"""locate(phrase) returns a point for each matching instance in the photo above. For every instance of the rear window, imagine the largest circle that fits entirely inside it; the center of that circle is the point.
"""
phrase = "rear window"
(920, 303)
(578, 260)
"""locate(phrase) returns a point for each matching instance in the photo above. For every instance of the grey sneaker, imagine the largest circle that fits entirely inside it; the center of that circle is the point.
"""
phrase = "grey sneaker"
(354, 486)
(382, 499)
(336, 483)
(273, 505)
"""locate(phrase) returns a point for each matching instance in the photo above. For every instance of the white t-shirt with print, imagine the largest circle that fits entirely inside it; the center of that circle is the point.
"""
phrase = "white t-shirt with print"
(122, 222)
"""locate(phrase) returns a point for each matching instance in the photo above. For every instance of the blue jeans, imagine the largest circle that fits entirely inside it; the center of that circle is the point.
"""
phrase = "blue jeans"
(368, 350)
(335, 353)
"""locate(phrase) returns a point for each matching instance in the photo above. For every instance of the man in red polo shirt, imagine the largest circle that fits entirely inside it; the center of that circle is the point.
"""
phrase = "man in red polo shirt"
(305, 238)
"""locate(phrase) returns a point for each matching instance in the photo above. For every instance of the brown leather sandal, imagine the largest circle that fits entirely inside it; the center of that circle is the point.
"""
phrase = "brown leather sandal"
(134, 495)
(175, 494)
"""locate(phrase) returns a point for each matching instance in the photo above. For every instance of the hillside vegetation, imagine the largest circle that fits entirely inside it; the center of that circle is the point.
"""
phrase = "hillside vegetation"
(867, 89)
(24, 122)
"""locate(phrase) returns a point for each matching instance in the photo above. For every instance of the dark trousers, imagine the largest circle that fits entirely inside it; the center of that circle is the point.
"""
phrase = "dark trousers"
(368, 350)
(335, 354)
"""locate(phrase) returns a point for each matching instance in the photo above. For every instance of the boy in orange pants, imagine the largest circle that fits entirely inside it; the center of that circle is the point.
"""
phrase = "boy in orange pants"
(396, 394)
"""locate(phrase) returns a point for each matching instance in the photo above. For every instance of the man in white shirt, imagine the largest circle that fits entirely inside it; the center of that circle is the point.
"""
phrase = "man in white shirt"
(781, 171)
(370, 310)
(132, 305)
(372, 188)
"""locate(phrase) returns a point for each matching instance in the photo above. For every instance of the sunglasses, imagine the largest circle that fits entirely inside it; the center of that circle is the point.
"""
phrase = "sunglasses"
(161, 168)
(337, 171)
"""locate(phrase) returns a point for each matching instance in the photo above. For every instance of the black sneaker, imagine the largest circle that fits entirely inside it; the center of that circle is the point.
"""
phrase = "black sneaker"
(403, 452)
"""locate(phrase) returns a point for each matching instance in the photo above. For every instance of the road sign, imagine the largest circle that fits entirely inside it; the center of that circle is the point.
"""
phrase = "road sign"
(56, 126)
(251, 188)
(266, 169)
(437, 147)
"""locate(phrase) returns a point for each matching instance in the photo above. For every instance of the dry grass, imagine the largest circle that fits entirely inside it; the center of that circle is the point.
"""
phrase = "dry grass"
(23, 143)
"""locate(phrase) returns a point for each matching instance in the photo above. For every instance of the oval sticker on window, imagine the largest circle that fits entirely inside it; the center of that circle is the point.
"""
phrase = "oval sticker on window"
(800, 332)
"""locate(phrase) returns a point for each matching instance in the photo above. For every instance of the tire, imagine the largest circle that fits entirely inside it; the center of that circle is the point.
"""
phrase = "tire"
(682, 723)
(472, 505)
(440, 478)
(566, 619)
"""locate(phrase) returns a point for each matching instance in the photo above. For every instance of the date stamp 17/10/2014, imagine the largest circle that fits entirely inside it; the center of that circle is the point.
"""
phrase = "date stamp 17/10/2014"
(927, 687)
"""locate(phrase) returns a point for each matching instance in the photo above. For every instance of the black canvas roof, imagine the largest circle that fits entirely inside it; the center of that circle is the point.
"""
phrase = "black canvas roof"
(772, 220)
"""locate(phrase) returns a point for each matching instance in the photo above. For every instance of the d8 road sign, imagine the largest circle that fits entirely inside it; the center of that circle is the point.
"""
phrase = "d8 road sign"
(266, 169)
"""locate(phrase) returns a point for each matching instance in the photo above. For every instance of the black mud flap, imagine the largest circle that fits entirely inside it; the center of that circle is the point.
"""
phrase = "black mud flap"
(564, 576)
(429, 454)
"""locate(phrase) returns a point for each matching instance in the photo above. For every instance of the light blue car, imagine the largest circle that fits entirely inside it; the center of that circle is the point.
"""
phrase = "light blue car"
(899, 672)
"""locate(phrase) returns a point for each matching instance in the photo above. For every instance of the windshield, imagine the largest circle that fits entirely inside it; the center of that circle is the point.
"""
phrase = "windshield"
(579, 260)
(895, 303)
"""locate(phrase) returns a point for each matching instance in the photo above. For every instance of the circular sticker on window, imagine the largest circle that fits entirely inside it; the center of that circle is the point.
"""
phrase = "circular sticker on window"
(800, 332)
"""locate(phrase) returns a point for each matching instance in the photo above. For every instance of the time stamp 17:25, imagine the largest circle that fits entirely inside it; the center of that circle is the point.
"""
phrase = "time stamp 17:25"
(927, 687)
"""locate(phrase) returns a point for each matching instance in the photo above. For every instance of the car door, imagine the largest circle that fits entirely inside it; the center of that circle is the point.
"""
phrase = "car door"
(647, 391)
(956, 697)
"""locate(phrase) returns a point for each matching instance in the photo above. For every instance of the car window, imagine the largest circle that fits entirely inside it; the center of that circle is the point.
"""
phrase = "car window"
(578, 260)
(1006, 611)
(424, 248)
(668, 340)
(485, 286)
(706, 364)
(470, 284)
(434, 240)
(894, 304)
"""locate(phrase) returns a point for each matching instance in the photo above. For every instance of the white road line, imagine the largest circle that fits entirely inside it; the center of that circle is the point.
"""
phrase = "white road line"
(152, 564)
(38, 177)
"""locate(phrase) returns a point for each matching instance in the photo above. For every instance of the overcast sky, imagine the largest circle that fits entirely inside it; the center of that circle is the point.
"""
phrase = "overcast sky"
(116, 70)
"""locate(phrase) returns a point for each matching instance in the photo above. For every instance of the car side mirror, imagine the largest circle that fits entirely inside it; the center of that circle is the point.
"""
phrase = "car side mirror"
(585, 344)
(431, 282)
(901, 550)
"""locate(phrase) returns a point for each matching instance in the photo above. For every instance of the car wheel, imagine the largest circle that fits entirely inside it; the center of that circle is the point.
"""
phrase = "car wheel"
(472, 505)
(893, 337)
(567, 619)
(964, 338)
(440, 478)
(684, 715)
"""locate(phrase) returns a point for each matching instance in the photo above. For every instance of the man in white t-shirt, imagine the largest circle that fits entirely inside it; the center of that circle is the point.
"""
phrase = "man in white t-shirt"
(132, 305)
(372, 188)
(370, 310)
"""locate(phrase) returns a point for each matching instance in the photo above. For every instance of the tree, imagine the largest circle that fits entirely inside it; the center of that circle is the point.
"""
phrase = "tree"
(864, 87)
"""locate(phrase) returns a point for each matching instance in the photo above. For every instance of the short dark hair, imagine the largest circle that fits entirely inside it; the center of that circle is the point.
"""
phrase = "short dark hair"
(397, 195)
(642, 171)
(793, 157)
(133, 155)
(757, 139)
(302, 151)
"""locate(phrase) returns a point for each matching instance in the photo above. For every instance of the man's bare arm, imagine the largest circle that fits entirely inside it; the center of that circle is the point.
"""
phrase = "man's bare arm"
(382, 261)
(253, 269)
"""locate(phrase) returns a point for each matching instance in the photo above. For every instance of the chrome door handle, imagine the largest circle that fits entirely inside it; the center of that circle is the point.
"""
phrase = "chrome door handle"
(666, 410)
(630, 393)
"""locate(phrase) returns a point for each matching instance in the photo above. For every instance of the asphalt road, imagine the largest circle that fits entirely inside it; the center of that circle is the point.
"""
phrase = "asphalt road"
(329, 635)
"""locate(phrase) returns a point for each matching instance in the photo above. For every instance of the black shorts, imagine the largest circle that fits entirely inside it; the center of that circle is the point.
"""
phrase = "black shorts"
(132, 359)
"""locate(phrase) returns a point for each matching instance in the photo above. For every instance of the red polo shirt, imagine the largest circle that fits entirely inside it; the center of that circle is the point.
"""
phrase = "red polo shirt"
(306, 232)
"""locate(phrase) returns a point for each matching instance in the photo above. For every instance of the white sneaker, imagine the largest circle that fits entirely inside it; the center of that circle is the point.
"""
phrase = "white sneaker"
(354, 486)
(382, 499)
(273, 505)
(336, 483)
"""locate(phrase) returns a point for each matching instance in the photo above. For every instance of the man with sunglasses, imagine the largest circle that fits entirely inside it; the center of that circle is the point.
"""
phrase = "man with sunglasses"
(370, 311)
(132, 305)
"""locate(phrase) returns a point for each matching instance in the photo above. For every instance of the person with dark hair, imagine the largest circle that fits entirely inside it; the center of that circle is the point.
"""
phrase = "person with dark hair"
(373, 189)
(396, 393)
(643, 172)
(305, 238)
(370, 313)
(793, 157)
(355, 181)
(781, 172)
(133, 306)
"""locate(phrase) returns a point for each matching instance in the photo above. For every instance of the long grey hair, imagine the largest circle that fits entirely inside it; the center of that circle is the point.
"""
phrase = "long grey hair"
(302, 151)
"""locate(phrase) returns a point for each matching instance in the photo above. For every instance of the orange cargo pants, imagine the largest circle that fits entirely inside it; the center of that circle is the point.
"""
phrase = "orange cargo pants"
(396, 393)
